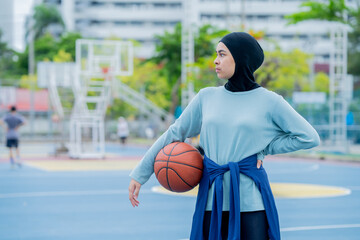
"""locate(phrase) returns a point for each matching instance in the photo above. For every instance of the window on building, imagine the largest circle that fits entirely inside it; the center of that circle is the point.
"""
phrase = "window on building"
(120, 23)
(96, 4)
(82, 22)
(96, 22)
(173, 23)
(57, 2)
(137, 23)
(205, 16)
(159, 5)
(262, 17)
(159, 23)
(120, 4)
(175, 5)
(138, 4)
(287, 36)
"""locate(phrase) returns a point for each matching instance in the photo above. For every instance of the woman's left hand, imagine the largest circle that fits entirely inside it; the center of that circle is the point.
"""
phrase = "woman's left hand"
(259, 163)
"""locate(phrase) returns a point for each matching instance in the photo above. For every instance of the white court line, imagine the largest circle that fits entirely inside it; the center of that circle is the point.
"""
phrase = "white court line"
(67, 193)
(305, 228)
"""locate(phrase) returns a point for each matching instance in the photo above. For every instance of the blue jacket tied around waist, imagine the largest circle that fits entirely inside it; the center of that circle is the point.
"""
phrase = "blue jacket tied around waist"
(214, 173)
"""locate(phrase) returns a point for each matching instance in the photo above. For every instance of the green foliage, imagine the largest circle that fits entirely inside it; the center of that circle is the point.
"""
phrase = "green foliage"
(204, 75)
(284, 72)
(168, 55)
(62, 56)
(29, 82)
(354, 43)
(47, 48)
(334, 10)
(44, 16)
(337, 11)
(67, 43)
(148, 78)
(8, 59)
(205, 41)
(321, 82)
(159, 76)
(121, 108)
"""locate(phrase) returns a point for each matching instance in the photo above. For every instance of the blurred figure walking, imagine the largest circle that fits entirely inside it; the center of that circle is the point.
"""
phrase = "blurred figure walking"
(122, 130)
(12, 122)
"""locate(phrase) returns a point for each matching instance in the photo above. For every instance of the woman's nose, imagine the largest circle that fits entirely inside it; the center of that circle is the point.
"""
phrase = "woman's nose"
(216, 61)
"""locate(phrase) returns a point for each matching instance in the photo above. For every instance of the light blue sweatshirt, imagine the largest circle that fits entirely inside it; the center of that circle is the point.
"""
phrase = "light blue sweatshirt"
(233, 126)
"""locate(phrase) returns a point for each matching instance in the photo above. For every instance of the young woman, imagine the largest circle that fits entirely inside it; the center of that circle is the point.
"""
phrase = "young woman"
(239, 124)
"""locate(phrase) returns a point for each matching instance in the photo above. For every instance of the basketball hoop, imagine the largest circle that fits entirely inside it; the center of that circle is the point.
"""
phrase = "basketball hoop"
(105, 71)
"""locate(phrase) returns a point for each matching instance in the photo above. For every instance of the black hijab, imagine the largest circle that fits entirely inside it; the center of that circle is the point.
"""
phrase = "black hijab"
(248, 56)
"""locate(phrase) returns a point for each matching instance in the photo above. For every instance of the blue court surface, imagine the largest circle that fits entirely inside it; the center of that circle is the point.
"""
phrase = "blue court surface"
(42, 201)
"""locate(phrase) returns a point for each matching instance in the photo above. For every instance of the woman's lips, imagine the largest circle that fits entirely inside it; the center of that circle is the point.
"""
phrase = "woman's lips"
(217, 69)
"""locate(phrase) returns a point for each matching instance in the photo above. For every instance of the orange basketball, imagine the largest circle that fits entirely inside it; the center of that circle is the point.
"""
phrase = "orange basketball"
(178, 167)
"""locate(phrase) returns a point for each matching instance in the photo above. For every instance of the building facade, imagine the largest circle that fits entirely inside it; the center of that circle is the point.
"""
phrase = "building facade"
(141, 20)
(7, 22)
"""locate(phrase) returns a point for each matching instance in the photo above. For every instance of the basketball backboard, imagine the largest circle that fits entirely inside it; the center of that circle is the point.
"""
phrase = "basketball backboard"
(95, 56)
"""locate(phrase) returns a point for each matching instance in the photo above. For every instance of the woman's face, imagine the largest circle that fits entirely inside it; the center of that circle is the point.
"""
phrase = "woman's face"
(224, 61)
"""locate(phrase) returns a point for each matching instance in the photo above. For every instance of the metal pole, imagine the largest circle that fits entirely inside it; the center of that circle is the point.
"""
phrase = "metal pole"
(187, 49)
(227, 12)
(243, 16)
(31, 72)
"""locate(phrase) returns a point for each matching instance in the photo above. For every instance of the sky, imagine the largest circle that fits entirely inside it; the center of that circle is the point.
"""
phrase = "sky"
(21, 10)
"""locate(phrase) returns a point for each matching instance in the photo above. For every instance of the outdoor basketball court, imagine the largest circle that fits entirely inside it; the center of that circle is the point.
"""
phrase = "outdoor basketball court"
(58, 198)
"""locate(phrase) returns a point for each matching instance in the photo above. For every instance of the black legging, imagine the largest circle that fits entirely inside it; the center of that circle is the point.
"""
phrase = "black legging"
(254, 225)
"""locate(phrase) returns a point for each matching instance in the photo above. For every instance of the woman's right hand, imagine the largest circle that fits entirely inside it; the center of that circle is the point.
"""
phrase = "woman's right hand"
(134, 188)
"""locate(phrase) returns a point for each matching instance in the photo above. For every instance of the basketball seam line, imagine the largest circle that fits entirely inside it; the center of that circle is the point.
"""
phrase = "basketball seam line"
(167, 178)
(179, 163)
(178, 176)
(179, 153)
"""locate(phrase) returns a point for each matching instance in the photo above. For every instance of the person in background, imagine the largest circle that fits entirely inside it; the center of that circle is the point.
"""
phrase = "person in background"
(123, 130)
(12, 122)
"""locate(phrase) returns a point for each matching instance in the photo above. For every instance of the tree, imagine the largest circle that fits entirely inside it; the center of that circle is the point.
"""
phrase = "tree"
(168, 50)
(146, 80)
(62, 56)
(45, 15)
(8, 58)
(67, 43)
(337, 11)
(205, 75)
(154, 85)
(45, 47)
(283, 72)
(334, 10)
(354, 42)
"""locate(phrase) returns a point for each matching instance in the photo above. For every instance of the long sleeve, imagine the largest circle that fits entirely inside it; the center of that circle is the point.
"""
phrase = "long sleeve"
(294, 132)
(187, 125)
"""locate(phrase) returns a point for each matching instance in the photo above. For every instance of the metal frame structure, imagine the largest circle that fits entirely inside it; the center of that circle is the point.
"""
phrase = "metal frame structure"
(87, 124)
(95, 59)
(338, 82)
(52, 75)
(187, 51)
